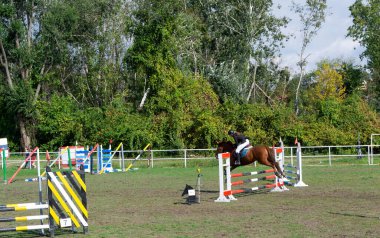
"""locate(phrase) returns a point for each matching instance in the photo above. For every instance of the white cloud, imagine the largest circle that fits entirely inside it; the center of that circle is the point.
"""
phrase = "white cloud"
(330, 42)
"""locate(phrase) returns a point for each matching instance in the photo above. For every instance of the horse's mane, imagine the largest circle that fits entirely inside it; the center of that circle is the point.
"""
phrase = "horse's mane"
(227, 144)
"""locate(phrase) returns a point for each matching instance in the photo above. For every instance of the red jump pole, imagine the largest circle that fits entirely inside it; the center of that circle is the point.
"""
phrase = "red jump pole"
(18, 170)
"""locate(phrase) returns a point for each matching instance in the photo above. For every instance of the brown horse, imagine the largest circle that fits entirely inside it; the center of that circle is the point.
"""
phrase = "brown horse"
(260, 153)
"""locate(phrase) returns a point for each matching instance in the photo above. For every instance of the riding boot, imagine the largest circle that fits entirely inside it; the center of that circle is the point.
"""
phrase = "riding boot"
(237, 161)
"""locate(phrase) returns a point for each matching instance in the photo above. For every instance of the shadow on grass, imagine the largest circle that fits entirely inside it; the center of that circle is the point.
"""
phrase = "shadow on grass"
(354, 215)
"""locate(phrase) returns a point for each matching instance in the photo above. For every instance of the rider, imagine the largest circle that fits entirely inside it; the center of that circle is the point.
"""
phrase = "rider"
(241, 141)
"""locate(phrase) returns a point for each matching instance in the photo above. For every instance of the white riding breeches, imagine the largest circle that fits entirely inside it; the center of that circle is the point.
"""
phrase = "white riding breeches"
(241, 146)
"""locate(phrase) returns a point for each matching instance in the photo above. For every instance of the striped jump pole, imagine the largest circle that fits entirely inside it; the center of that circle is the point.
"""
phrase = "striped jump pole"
(252, 173)
(253, 180)
(24, 218)
(25, 228)
(18, 205)
(248, 190)
(24, 207)
(138, 156)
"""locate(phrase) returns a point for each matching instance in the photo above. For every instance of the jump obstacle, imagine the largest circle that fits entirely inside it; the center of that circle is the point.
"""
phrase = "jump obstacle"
(66, 205)
(226, 194)
(295, 178)
(225, 184)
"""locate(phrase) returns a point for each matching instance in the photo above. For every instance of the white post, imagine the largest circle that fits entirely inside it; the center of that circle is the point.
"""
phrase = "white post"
(329, 155)
(221, 157)
(60, 159)
(39, 185)
(369, 153)
(228, 176)
(370, 162)
(299, 183)
(185, 158)
(369, 158)
(151, 158)
(281, 162)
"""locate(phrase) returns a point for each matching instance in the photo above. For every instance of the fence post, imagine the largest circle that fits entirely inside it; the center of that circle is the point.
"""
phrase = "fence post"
(329, 156)
(4, 163)
(151, 158)
(185, 154)
(369, 154)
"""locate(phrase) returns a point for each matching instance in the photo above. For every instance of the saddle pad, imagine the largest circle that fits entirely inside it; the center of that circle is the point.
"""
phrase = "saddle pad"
(245, 151)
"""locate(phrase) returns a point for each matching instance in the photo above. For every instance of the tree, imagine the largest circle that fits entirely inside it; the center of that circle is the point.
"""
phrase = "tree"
(329, 84)
(20, 61)
(365, 29)
(237, 34)
(87, 42)
(311, 15)
(354, 76)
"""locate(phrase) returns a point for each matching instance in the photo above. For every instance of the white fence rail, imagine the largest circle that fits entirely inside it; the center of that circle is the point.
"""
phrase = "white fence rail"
(312, 155)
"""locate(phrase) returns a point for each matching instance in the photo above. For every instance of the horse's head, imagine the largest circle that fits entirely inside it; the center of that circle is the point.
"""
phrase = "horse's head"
(224, 146)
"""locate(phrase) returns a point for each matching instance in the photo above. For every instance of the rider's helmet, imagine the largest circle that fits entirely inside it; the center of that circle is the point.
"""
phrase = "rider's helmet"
(231, 132)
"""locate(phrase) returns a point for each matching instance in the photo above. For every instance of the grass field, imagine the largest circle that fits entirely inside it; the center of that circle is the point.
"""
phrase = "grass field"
(341, 201)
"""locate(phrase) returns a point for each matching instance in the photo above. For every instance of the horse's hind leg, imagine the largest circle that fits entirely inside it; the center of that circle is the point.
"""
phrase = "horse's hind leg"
(275, 167)
(279, 170)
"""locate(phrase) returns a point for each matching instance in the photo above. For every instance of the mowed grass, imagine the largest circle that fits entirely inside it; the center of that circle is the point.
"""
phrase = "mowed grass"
(341, 201)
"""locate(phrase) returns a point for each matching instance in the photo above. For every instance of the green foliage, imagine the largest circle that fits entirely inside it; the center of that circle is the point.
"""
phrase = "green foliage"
(58, 122)
(20, 100)
(329, 85)
(180, 103)
(365, 29)
(353, 77)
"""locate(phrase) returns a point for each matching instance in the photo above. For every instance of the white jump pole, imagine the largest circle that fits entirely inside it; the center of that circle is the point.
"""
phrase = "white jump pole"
(299, 183)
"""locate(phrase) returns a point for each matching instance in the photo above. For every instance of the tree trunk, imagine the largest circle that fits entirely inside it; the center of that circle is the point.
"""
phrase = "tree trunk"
(253, 88)
(25, 137)
(297, 93)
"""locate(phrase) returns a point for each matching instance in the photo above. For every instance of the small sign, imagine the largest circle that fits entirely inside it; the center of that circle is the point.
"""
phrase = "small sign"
(4, 146)
(191, 192)
(65, 222)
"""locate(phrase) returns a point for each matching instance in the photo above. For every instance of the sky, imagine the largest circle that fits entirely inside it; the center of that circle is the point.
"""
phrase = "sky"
(329, 43)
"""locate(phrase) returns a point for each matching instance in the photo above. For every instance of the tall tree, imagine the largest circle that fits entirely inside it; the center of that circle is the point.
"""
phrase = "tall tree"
(311, 16)
(21, 61)
(365, 29)
(329, 84)
(87, 41)
(238, 33)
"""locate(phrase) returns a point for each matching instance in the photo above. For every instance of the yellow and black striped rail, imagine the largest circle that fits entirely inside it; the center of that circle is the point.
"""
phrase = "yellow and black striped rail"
(67, 203)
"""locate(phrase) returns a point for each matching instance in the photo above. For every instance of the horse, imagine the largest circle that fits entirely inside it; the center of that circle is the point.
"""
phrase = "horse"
(260, 153)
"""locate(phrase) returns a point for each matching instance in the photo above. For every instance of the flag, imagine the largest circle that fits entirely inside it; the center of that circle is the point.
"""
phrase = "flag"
(296, 141)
